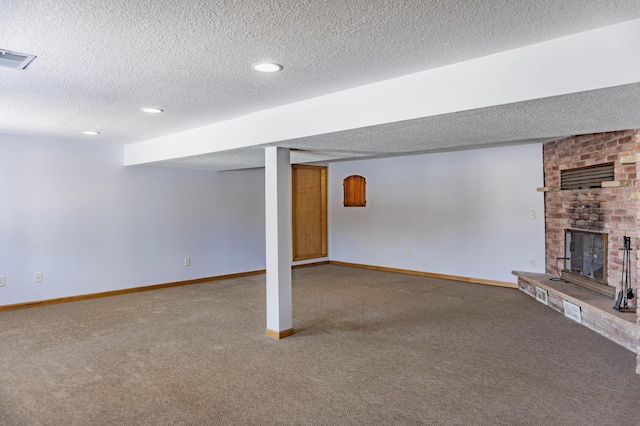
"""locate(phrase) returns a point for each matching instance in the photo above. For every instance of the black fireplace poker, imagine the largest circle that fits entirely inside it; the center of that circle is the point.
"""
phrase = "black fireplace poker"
(626, 292)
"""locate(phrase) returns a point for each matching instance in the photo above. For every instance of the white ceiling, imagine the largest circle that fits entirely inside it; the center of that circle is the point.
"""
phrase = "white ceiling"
(98, 62)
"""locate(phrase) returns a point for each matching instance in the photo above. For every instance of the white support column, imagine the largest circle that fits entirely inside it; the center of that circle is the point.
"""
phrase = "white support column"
(279, 242)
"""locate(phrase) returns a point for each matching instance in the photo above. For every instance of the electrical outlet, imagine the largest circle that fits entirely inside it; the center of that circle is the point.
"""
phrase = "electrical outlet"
(38, 277)
(1, 281)
(408, 253)
(187, 261)
(532, 263)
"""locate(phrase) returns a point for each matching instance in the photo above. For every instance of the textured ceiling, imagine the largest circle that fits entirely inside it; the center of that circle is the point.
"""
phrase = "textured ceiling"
(99, 61)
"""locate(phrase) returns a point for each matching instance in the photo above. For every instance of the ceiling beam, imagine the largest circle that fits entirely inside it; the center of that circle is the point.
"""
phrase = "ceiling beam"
(597, 59)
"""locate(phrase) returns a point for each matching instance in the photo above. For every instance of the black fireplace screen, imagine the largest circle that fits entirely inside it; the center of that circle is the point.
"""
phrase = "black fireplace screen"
(586, 254)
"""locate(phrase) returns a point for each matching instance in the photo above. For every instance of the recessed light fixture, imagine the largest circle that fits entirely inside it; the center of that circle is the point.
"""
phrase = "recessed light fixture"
(267, 67)
(91, 132)
(15, 60)
(152, 110)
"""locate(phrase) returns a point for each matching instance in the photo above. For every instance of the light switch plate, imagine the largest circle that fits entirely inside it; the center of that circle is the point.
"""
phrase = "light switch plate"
(1, 281)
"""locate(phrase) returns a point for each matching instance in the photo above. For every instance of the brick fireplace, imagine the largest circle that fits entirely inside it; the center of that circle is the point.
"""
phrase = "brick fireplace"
(610, 208)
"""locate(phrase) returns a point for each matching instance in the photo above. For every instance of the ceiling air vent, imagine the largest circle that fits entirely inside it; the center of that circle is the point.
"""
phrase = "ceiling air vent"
(587, 177)
(15, 60)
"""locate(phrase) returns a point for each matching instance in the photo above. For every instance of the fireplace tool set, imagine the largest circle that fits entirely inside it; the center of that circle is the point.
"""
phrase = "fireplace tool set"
(626, 292)
(559, 277)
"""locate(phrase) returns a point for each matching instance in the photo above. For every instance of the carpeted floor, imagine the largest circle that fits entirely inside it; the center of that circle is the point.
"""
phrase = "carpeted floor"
(370, 348)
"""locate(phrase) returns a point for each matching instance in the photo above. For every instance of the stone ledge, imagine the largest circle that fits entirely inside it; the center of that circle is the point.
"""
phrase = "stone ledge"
(548, 189)
(629, 159)
(597, 310)
(615, 183)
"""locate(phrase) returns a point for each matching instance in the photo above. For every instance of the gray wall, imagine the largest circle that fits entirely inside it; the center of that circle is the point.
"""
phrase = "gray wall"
(74, 213)
(459, 213)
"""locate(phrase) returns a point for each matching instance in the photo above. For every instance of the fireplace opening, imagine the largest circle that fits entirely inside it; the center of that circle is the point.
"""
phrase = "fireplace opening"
(586, 261)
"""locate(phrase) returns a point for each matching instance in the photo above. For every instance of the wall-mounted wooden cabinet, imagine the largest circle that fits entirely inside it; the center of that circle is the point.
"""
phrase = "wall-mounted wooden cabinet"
(355, 191)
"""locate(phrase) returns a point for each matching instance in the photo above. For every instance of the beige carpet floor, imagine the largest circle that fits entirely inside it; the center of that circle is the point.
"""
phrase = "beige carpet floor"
(370, 348)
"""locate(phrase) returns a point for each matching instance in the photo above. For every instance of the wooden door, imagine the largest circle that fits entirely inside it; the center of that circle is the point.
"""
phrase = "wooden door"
(309, 212)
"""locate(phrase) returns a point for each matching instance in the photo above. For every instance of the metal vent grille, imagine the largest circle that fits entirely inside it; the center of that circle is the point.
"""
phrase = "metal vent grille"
(18, 61)
(542, 295)
(586, 177)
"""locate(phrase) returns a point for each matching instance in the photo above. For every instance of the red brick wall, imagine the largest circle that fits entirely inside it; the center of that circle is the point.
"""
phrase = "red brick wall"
(613, 210)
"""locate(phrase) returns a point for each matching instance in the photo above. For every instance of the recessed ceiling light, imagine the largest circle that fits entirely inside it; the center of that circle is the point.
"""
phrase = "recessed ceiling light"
(91, 132)
(15, 60)
(152, 110)
(267, 67)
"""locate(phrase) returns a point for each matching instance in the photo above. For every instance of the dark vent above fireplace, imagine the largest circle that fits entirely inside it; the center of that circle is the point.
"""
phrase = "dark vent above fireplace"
(586, 177)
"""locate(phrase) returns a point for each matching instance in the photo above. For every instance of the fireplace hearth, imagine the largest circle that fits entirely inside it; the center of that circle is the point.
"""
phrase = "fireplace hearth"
(591, 215)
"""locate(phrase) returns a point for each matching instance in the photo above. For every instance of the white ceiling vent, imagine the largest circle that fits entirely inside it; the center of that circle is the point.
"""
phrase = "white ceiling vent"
(15, 60)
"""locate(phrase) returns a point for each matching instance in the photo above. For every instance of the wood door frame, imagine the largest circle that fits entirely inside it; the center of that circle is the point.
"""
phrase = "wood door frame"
(323, 200)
